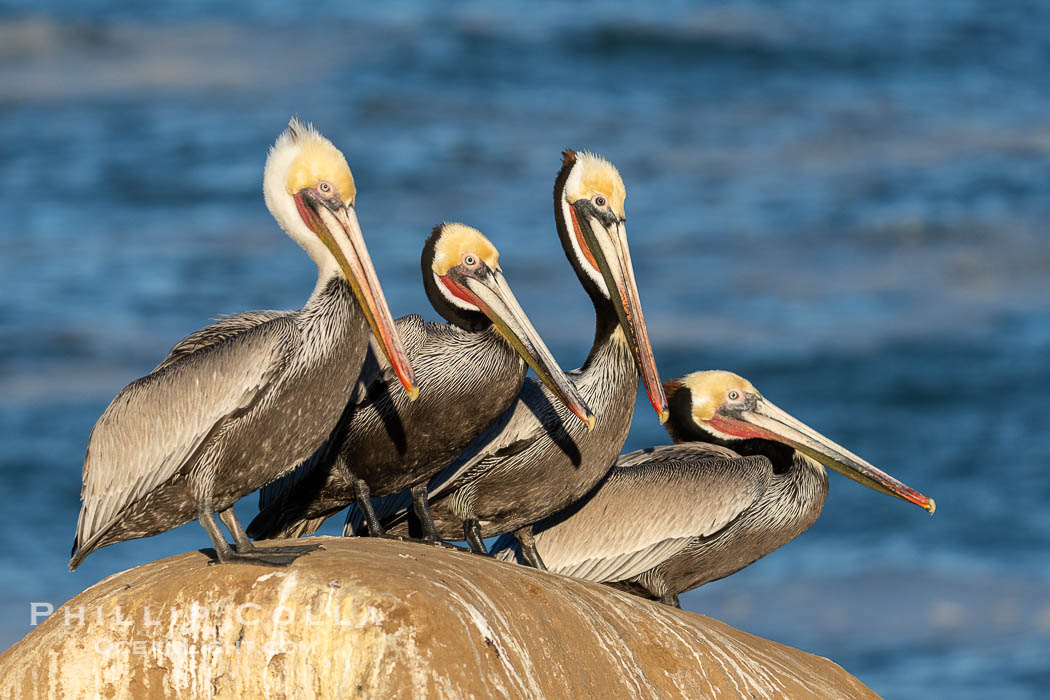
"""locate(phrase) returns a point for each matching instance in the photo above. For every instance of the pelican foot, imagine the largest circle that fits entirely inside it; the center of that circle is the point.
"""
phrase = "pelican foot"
(533, 557)
(289, 549)
(527, 544)
(258, 557)
(472, 535)
(536, 563)
(444, 545)
(433, 542)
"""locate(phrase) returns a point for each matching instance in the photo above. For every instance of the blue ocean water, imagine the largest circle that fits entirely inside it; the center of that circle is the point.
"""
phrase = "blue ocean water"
(847, 203)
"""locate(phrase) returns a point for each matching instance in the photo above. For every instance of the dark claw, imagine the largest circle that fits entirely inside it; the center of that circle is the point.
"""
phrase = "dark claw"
(259, 558)
(527, 543)
(472, 534)
(290, 549)
(446, 545)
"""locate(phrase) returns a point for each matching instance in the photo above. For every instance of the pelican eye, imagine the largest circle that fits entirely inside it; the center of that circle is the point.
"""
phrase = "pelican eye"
(600, 201)
(325, 187)
(734, 395)
(469, 260)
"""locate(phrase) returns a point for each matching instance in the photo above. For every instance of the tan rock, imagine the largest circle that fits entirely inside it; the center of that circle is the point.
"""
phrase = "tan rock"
(377, 618)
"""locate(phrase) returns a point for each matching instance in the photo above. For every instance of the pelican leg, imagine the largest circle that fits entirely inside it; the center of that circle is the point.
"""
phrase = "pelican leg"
(362, 495)
(224, 553)
(472, 534)
(421, 505)
(244, 543)
(363, 498)
(671, 599)
(528, 547)
(240, 537)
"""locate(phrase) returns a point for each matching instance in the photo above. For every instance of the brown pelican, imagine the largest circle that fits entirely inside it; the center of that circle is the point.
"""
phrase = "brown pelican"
(469, 370)
(242, 402)
(714, 510)
(535, 459)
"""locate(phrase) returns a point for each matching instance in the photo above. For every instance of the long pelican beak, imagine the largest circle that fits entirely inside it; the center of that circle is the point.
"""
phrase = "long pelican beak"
(770, 422)
(614, 262)
(339, 230)
(493, 296)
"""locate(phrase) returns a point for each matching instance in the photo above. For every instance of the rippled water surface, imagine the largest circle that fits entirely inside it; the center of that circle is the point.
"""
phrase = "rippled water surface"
(847, 203)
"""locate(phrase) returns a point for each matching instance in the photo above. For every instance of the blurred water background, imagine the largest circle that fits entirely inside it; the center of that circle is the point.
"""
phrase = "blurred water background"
(845, 202)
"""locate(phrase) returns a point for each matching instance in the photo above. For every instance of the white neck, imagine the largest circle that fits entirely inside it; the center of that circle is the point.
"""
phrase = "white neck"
(282, 206)
(324, 274)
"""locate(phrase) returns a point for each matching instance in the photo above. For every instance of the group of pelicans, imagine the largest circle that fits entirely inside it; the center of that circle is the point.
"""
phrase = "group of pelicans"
(432, 430)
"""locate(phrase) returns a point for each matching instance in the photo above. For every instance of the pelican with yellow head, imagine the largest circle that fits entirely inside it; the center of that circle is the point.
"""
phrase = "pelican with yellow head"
(470, 370)
(743, 478)
(537, 458)
(243, 401)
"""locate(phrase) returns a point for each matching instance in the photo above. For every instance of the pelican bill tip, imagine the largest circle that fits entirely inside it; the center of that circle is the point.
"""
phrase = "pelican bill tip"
(590, 421)
(664, 415)
(931, 505)
(413, 392)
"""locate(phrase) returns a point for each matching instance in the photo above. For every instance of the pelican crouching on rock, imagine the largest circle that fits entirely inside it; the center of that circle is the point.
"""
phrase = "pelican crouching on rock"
(743, 479)
(469, 371)
(537, 458)
(241, 402)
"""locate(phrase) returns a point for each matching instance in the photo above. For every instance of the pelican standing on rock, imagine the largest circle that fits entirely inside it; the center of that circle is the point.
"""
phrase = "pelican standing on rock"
(743, 479)
(469, 371)
(536, 458)
(242, 402)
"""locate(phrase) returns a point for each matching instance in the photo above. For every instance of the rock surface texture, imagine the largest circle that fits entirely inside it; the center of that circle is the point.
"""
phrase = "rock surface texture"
(379, 618)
